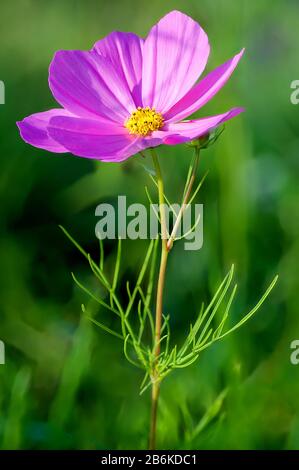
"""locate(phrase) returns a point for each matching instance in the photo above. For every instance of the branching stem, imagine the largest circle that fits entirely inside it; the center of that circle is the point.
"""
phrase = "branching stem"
(159, 305)
(165, 249)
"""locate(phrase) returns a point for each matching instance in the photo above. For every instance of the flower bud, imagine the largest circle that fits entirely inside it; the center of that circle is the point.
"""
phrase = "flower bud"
(206, 140)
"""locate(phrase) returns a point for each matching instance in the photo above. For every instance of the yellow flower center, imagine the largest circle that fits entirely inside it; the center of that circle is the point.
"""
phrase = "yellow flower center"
(143, 121)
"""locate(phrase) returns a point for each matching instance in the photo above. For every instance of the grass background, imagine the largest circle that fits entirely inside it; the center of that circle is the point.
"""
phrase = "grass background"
(65, 384)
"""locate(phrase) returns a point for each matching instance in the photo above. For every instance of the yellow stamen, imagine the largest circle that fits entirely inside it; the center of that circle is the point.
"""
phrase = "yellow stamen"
(143, 121)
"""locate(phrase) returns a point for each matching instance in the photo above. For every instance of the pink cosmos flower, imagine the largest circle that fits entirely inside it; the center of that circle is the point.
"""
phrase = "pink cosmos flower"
(129, 93)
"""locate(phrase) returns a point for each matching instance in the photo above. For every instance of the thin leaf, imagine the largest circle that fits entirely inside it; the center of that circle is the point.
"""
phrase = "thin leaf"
(106, 328)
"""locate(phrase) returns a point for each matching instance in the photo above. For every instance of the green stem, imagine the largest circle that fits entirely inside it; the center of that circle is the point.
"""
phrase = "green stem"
(167, 244)
(159, 305)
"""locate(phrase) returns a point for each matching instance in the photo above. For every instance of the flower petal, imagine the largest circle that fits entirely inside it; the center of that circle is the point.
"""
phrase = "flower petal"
(92, 139)
(124, 50)
(178, 133)
(33, 130)
(175, 54)
(87, 84)
(203, 91)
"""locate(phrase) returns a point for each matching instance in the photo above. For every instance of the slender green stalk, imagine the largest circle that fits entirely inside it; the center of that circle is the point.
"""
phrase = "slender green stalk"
(159, 305)
(167, 243)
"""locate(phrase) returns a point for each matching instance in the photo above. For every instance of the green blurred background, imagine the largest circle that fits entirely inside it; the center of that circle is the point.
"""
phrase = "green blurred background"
(65, 384)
